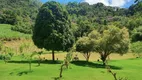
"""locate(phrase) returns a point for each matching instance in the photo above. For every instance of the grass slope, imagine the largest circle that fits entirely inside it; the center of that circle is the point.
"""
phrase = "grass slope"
(17, 70)
(6, 32)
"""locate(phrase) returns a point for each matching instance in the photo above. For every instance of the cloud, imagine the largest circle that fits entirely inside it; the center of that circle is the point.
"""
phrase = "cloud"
(118, 3)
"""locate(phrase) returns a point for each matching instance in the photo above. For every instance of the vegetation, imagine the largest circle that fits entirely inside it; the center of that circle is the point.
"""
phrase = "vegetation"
(111, 40)
(137, 48)
(7, 34)
(85, 46)
(20, 13)
(52, 28)
(80, 71)
(68, 28)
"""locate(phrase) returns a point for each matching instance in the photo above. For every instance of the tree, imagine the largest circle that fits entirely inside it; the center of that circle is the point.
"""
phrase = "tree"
(24, 50)
(85, 46)
(112, 40)
(39, 56)
(66, 62)
(52, 28)
(136, 47)
(137, 34)
(83, 29)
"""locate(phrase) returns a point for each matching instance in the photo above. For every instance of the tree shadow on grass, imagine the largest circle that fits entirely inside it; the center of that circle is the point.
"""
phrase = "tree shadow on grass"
(23, 72)
(20, 73)
(36, 61)
(93, 65)
(56, 78)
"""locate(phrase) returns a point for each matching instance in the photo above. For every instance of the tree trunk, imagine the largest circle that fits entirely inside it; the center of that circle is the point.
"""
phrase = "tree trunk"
(61, 70)
(103, 58)
(113, 74)
(30, 65)
(53, 55)
(87, 56)
(39, 61)
(5, 60)
(104, 62)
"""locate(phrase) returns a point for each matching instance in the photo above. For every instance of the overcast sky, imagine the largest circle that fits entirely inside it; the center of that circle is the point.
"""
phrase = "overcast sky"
(118, 3)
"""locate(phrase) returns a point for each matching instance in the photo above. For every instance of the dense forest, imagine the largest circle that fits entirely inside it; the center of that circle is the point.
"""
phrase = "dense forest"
(84, 17)
(20, 13)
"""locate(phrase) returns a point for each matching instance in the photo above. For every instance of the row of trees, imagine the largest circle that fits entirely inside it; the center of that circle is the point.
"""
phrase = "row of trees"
(111, 40)
(53, 31)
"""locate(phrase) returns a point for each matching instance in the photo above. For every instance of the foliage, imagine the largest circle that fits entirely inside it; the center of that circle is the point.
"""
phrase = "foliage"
(66, 62)
(24, 50)
(84, 28)
(85, 45)
(20, 13)
(137, 8)
(39, 56)
(137, 34)
(113, 40)
(52, 29)
(7, 34)
(136, 47)
(6, 53)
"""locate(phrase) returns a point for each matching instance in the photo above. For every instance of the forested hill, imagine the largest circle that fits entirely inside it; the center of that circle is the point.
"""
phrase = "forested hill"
(84, 17)
(87, 17)
(21, 13)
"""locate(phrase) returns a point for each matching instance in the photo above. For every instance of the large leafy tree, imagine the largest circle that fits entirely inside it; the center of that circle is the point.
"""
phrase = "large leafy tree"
(85, 46)
(52, 29)
(113, 40)
(88, 44)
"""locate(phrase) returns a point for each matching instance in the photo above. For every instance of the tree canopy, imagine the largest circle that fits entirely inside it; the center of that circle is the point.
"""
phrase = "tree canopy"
(111, 40)
(20, 13)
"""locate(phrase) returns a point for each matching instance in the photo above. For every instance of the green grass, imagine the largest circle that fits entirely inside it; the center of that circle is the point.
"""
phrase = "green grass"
(131, 68)
(6, 32)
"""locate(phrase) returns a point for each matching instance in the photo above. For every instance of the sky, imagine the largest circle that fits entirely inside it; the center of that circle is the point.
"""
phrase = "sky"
(116, 3)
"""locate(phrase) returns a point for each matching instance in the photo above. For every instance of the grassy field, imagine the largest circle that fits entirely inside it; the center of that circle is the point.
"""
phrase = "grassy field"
(18, 70)
(6, 32)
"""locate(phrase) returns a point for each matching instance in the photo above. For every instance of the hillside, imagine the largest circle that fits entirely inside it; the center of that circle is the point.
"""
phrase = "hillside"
(7, 34)
(20, 13)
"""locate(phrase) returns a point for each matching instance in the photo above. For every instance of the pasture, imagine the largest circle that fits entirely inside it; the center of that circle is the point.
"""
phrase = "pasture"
(126, 66)
(18, 70)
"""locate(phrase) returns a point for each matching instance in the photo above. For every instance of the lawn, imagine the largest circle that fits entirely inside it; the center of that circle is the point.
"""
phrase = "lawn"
(18, 70)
